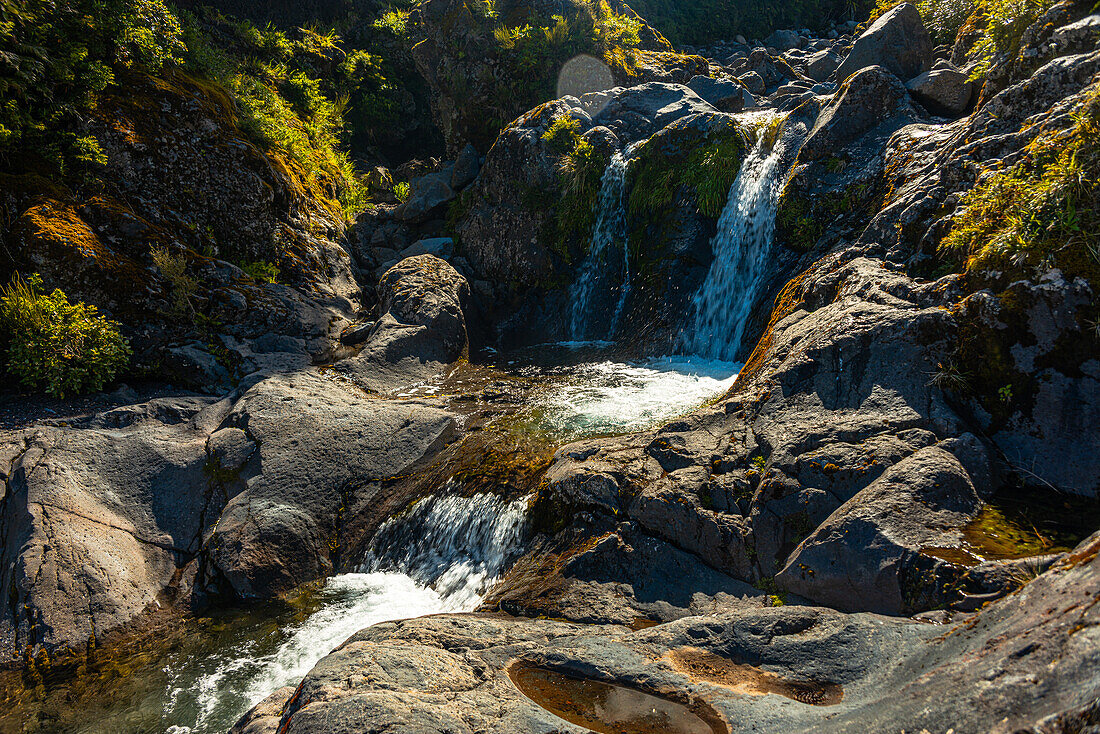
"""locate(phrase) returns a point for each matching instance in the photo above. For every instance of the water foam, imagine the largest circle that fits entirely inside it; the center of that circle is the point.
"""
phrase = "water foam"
(617, 397)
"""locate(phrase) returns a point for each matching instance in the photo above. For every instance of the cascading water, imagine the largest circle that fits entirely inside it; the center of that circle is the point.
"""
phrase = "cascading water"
(440, 556)
(456, 545)
(598, 275)
(741, 250)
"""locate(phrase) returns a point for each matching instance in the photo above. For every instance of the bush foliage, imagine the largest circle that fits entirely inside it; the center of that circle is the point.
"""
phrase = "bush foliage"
(52, 344)
(1042, 212)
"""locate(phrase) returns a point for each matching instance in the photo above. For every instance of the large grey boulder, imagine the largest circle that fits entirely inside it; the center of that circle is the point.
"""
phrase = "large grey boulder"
(869, 98)
(784, 40)
(321, 458)
(897, 41)
(943, 91)
(422, 327)
(861, 557)
(96, 517)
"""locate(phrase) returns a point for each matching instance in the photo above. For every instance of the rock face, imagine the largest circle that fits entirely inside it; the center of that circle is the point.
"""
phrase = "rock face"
(897, 41)
(187, 180)
(823, 670)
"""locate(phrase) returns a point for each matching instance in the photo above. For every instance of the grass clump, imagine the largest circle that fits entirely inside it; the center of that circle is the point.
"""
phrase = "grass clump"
(1042, 212)
(61, 347)
(705, 162)
(580, 170)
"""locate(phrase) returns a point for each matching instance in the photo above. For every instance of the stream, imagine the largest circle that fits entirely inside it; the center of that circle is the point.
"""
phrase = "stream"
(445, 551)
(439, 556)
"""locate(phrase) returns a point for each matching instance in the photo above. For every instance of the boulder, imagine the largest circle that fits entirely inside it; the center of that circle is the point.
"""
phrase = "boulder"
(821, 65)
(466, 167)
(638, 112)
(784, 40)
(98, 516)
(441, 247)
(862, 556)
(943, 91)
(422, 327)
(753, 82)
(291, 506)
(724, 94)
(428, 196)
(869, 98)
(897, 41)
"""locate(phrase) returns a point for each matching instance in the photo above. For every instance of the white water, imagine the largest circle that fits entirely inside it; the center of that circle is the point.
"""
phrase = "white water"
(741, 249)
(457, 547)
(617, 397)
(595, 273)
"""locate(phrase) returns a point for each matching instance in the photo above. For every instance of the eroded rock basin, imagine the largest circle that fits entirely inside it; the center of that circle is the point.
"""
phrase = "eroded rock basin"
(609, 708)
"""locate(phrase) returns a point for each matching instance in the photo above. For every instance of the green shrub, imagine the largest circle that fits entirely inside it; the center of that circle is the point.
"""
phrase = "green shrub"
(402, 191)
(262, 271)
(62, 347)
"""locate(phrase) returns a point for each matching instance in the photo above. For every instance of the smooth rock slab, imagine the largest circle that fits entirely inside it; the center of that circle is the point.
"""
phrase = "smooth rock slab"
(787, 669)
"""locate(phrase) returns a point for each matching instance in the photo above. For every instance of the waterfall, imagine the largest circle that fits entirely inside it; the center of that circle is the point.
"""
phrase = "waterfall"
(455, 545)
(440, 556)
(741, 250)
(597, 272)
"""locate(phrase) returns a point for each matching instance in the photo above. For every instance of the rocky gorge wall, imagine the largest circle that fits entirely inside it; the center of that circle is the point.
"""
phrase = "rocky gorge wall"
(893, 393)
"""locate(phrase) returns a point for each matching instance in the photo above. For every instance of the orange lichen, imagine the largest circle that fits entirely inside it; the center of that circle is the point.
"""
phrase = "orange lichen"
(785, 304)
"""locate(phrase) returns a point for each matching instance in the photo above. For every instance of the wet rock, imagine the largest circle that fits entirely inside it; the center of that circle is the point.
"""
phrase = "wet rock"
(943, 91)
(897, 41)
